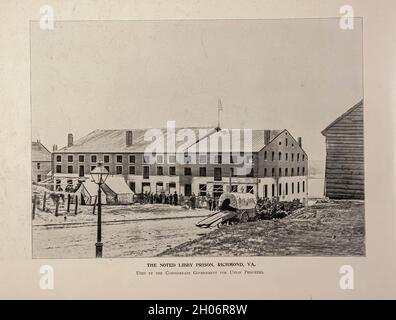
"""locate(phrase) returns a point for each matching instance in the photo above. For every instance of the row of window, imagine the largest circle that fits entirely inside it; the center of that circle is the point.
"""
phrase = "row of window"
(187, 171)
(217, 159)
(284, 156)
(286, 189)
(285, 172)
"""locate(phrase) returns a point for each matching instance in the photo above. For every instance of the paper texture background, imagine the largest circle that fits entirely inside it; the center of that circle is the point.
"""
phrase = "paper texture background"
(283, 277)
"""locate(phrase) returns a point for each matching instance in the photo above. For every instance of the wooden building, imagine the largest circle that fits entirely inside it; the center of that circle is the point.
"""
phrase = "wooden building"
(41, 161)
(344, 176)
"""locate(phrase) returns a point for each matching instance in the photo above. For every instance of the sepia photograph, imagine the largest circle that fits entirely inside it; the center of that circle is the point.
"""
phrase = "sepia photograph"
(197, 138)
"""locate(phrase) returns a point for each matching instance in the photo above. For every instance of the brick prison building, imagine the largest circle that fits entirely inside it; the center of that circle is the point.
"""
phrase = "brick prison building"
(344, 175)
(41, 162)
(279, 165)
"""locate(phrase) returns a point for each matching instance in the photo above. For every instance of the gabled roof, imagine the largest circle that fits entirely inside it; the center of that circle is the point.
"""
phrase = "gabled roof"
(114, 141)
(357, 105)
(40, 152)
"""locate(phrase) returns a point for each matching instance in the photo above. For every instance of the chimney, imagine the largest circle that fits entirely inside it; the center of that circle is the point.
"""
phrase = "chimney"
(54, 147)
(267, 135)
(300, 142)
(69, 139)
(129, 138)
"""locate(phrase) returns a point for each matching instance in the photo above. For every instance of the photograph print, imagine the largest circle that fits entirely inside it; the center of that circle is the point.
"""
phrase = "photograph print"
(187, 138)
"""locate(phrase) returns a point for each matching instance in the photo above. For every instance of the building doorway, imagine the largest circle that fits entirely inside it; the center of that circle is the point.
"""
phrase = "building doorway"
(187, 190)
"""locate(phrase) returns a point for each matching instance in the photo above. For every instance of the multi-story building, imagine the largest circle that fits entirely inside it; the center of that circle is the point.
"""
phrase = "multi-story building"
(278, 166)
(41, 162)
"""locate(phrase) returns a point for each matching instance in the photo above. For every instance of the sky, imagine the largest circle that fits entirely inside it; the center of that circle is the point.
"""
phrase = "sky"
(295, 74)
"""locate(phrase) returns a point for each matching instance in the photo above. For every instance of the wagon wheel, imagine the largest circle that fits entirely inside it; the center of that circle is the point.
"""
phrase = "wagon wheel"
(244, 217)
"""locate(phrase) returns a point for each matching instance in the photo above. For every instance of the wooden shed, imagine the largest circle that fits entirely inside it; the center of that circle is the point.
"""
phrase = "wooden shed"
(344, 175)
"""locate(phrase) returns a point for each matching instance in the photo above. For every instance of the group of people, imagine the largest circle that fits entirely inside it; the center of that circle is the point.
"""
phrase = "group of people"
(162, 197)
(191, 202)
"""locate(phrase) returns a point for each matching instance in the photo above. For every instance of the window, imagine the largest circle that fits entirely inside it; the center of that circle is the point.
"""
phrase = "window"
(303, 188)
(146, 172)
(187, 171)
(298, 187)
(58, 169)
(106, 159)
(298, 157)
(94, 159)
(81, 158)
(280, 155)
(217, 174)
(280, 143)
(58, 158)
(160, 171)
(38, 165)
(172, 159)
(217, 190)
(303, 171)
(273, 190)
(298, 171)
(146, 159)
(172, 171)
(119, 159)
(218, 159)
(280, 189)
(202, 171)
(107, 168)
(234, 188)
(265, 191)
(280, 172)
(160, 159)
(273, 172)
(292, 187)
(132, 186)
(92, 168)
(286, 172)
(69, 158)
(265, 172)
(118, 169)
(286, 156)
(286, 188)
(303, 157)
(132, 159)
(273, 155)
(202, 189)
(202, 159)
(132, 170)
(250, 189)
(265, 155)
(38, 177)
(81, 171)
(69, 169)
(292, 171)
(292, 157)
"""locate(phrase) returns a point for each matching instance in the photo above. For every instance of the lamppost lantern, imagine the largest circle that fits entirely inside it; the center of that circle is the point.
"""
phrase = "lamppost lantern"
(99, 176)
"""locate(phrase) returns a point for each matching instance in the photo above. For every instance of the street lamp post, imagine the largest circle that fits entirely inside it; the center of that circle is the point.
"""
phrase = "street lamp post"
(99, 176)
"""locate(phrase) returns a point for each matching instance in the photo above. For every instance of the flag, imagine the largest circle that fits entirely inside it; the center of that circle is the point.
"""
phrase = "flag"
(220, 105)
